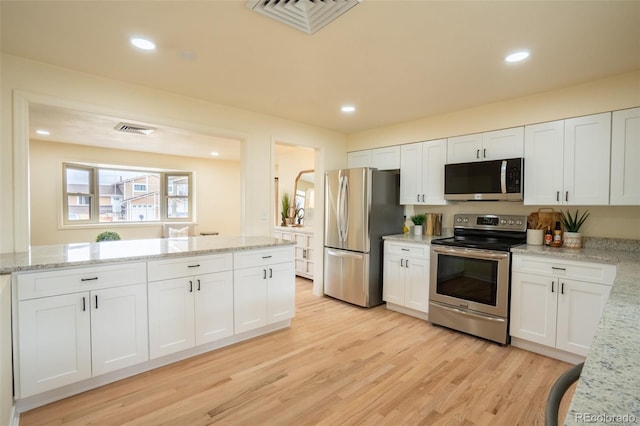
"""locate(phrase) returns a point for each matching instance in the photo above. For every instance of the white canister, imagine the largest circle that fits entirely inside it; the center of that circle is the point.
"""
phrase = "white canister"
(534, 237)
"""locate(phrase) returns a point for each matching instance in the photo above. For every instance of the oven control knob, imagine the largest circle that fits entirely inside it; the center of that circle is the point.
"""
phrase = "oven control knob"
(503, 221)
(459, 220)
(465, 220)
(511, 222)
(518, 222)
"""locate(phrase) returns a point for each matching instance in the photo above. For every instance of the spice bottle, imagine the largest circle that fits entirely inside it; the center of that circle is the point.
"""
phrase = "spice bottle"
(548, 237)
(557, 236)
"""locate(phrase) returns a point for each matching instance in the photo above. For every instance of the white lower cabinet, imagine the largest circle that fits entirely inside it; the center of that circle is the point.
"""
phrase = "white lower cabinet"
(75, 325)
(188, 310)
(263, 288)
(406, 277)
(558, 303)
(65, 338)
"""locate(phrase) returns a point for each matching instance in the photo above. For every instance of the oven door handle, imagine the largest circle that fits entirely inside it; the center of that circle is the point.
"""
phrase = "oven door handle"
(479, 254)
(470, 314)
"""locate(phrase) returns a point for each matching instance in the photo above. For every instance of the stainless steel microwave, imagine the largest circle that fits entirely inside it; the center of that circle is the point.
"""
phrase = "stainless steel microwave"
(492, 180)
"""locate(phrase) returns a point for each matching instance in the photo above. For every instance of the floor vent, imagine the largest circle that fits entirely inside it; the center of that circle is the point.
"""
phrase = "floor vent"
(306, 15)
(132, 128)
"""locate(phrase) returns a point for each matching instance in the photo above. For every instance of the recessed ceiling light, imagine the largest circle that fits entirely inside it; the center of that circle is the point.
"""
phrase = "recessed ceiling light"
(517, 56)
(143, 43)
(348, 108)
(43, 132)
(215, 154)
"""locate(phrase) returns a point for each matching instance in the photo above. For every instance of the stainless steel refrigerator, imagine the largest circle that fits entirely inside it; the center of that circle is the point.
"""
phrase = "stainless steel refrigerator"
(361, 205)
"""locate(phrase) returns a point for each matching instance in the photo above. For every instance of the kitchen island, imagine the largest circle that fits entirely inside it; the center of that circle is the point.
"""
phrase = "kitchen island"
(608, 391)
(88, 314)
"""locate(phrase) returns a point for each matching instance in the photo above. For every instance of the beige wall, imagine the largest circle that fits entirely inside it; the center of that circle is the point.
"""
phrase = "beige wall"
(217, 191)
(608, 94)
(67, 88)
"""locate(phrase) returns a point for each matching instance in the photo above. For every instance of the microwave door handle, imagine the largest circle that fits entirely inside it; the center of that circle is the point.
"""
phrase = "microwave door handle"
(503, 177)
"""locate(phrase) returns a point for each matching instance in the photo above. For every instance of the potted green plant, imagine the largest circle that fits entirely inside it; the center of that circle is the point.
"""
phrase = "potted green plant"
(418, 222)
(572, 237)
(285, 204)
(107, 236)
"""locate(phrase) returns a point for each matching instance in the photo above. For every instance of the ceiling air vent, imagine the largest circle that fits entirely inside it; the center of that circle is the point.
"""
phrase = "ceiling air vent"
(133, 128)
(306, 15)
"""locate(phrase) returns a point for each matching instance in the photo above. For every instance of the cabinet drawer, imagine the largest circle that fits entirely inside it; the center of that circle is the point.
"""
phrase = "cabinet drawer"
(252, 258)
(53, 282)
(583, 271)
(403, 249)
(188, 266)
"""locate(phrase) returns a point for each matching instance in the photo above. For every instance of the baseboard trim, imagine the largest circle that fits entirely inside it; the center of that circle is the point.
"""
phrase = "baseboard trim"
(547, 351)
(408, 311)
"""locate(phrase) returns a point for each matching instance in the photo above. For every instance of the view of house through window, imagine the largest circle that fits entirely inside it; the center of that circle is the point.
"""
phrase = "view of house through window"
(100, 194)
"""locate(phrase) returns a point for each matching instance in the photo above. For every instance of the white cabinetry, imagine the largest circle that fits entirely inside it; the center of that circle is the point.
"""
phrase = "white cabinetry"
(190, 302)
(406, 278)
(304, 251)
(387, 158)
(422, 172)
(496, 145)
(263, 287)
(567, 161)
(73, 324)
(625, 157)
(557, 303)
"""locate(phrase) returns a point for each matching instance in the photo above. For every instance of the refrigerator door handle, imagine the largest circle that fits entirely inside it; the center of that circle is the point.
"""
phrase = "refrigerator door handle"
(342, 214)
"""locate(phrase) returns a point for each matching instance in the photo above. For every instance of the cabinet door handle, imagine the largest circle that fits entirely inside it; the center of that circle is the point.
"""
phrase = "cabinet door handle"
(96, 301)
(566, 196)
(198, 285)
(418, 198)
(270, 273)
(423, 198)
(562, 289)
(484, 153)
(558, 269)
(190, 286)
(267, 257)
(402, 263)
(193, 266)
(477, 153)
(558, 196)
(264, 274)
(84, 304)
(406, 263)
(552, 286)
(89, 279)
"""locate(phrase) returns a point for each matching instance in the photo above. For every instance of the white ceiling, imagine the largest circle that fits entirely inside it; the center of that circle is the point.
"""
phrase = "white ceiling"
(395, 60)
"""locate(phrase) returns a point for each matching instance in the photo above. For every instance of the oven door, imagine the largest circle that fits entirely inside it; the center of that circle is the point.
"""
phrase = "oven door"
(471, 279)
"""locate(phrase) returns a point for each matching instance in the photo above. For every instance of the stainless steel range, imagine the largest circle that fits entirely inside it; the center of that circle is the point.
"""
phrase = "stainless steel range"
(470, 274)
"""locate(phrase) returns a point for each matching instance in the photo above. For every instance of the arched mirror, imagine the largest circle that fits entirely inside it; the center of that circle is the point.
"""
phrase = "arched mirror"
(304, 198)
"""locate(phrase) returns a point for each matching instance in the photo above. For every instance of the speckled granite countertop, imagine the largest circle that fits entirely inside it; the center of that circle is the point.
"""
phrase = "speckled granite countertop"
(608, 391)
(83, 254)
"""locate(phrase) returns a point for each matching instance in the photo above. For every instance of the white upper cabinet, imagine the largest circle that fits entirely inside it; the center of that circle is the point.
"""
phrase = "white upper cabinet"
(422, 173)
(625, 157)
(359, 159)
(587, 150)
(496, 145)
(387, 158)
(567, 161)
(543, 163)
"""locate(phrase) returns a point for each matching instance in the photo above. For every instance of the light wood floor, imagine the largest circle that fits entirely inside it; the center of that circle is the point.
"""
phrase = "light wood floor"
(337, 364)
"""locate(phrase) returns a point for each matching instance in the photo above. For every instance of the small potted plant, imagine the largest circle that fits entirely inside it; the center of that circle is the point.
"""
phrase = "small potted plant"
(418, 222)
(572, 236)
(107, 236)
(285, 204)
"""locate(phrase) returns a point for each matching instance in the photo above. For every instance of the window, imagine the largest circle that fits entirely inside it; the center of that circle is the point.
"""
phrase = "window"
(104, 194)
